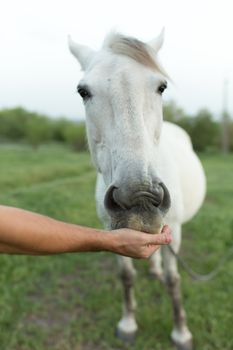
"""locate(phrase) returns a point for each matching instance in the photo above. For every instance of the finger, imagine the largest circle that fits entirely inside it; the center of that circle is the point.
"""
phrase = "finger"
(166, 229)
(158, 239)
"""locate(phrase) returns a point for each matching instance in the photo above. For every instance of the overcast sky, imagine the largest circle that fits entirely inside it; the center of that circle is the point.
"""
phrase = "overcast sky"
(38, 72)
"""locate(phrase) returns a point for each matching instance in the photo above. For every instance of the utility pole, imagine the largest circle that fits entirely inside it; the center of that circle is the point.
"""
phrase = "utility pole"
(225, 118)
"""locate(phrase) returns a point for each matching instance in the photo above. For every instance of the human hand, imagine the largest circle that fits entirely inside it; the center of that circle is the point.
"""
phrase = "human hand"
(140, 245)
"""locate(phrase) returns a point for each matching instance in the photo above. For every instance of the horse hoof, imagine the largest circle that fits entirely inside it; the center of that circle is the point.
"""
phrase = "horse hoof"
(126, 337)
(183, 339)
(188, 345)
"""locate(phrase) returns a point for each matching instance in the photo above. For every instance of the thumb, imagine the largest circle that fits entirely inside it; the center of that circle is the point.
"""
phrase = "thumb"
(161, 238)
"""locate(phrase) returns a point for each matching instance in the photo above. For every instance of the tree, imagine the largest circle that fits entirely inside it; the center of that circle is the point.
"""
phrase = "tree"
(172, 112)
(204, 131)
(231, 136)
(12, 123)
(75, 136)
(38, 130)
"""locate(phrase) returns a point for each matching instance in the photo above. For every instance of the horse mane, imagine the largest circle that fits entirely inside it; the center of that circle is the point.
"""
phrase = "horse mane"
(135, 49)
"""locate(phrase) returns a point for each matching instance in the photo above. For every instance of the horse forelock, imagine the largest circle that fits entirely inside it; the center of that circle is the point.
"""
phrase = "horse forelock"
(135, 49)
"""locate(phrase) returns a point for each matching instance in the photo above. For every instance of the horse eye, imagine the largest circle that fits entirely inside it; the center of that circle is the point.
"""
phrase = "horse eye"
(83, 92)
(161, 88)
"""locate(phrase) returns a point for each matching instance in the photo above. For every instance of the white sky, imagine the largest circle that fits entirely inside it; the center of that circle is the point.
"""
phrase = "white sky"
(38, 72)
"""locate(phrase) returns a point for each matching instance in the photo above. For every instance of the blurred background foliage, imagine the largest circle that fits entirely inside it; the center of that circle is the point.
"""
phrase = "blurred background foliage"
(20, 125)
(204, 130)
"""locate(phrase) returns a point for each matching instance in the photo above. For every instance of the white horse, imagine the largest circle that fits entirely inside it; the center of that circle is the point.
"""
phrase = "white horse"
(148, 173)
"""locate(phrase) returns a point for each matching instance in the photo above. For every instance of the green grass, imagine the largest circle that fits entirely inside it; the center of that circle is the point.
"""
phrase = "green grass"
(73, 302)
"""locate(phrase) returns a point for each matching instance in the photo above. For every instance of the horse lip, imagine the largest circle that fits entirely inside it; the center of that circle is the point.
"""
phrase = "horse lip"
(137, 219)
(152, 198)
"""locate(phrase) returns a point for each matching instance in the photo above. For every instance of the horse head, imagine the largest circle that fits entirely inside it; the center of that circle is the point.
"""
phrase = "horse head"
(122, 91)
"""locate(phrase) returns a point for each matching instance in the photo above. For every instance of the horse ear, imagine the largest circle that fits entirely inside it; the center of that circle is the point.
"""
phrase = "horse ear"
(83, 53)
(157, 42)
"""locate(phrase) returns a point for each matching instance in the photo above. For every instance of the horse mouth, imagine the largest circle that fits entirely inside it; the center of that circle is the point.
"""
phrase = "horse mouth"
(139, 220)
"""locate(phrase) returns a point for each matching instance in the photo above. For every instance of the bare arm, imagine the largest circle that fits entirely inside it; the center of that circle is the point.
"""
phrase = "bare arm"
(25, 232)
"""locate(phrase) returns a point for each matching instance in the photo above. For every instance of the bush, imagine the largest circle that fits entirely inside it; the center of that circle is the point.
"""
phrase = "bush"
(59, 126)
(17, 124)
(203, 130)
(75, 136)
(38, 130)
(12, 122)
(172, 112)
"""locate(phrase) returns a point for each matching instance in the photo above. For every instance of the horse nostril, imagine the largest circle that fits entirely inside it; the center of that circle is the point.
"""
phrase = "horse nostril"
(110, 201)
(117, 201)
(166, 200)
(158, 195)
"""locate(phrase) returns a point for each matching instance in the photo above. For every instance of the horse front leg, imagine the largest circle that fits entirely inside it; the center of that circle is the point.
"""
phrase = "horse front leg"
(156, 270)
(181, 336)
(127, 326)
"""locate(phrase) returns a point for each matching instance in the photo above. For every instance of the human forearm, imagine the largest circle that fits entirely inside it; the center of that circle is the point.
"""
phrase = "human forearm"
(25, 232)
(10, 249)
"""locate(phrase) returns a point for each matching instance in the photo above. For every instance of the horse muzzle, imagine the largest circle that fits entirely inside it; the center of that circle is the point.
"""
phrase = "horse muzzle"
(142, 209)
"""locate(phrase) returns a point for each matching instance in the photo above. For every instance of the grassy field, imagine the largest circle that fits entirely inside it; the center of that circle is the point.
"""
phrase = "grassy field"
(73, 302)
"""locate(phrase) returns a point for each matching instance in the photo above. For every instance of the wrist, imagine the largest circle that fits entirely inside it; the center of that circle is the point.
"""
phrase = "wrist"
(108, 241)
